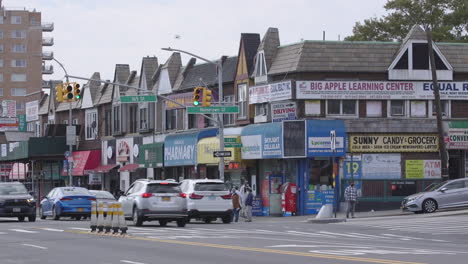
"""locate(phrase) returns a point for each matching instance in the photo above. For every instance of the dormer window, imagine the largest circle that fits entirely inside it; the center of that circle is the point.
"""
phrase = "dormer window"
(260, 68)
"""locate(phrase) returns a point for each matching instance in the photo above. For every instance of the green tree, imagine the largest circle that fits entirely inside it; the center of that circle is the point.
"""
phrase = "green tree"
(447, 19)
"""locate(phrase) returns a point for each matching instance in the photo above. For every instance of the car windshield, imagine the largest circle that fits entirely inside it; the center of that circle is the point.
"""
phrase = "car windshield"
(434, 186)
(210, 186)
(103, 195)
(75, 191)
(163, 188)
(10, 189)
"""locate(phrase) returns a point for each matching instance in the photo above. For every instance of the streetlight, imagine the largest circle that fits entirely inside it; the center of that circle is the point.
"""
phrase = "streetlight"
(220, 122)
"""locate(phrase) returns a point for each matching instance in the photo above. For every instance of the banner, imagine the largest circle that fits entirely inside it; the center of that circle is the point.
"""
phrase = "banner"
(32, 109)
(423, 169)
(456, 134)
(283, 111)
(393, 143)
(381, 166)
(379, 90)
(270, 92)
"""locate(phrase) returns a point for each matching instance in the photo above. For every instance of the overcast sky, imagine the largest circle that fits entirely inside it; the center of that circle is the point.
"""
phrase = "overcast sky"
(94, 35)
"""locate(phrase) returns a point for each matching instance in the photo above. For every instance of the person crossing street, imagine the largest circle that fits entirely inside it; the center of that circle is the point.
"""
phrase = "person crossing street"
(351, 199)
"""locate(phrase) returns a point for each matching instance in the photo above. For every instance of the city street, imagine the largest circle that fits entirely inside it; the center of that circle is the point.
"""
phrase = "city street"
(433, 238)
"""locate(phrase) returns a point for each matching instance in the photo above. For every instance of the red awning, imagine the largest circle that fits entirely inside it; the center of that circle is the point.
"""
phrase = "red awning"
(84, 161)
(130, 167)
(104, 168)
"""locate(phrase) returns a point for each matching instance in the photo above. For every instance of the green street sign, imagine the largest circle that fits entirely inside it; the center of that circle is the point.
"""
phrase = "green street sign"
(22, 126)
(230, 140)
(233, 145)
(213, 110)
(138, 98)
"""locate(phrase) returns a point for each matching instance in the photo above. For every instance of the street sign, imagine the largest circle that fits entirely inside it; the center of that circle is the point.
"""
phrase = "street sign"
(138, 98)
(230, 140)
(233, 145)
(71, 135)
(213, 110)
(333, 140)
(219, 154)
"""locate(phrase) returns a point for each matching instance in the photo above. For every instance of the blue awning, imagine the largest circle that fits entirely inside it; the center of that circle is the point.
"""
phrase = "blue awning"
(181, 149)
(319, 140)
(262, 141)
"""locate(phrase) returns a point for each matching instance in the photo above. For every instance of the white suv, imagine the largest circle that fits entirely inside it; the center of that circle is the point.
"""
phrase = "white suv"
(207, 200)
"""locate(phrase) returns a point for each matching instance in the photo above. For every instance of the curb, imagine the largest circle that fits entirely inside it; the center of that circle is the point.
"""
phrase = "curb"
(325, 220)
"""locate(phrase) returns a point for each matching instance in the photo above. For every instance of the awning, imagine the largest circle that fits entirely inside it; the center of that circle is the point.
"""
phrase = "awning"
(19, 171)
(130, 167)
(262, 141)
(207, 146)
(319, 138)
(104, 168)
(84, 161)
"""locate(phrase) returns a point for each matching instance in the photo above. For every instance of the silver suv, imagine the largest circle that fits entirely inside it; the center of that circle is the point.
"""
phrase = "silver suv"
(149, 200)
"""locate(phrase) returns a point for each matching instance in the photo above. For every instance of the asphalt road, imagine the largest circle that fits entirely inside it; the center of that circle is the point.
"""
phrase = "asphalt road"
(401, 239)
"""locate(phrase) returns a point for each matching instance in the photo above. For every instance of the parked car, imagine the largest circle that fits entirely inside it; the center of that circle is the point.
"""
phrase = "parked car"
(207, 199)
(448, 194)
(66, 201)
(104, 197)
(15, 201)
(150, 200)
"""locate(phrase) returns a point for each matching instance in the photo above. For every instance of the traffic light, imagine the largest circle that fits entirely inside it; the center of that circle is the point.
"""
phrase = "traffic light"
(206, 97)
(76, 91)
(69, 92)
(59, 93)
(197, 94)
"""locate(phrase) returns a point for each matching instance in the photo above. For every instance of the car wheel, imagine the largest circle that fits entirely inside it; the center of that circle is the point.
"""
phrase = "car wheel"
(207, 220)
(55, 216)
(226, 219)
(181, 222)
(32, 218)
(137, 220)
(164, 222)
(429, 206)
(20, 218)
(41, 214)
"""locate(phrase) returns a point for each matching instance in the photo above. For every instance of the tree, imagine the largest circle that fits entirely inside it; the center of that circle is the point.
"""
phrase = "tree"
(447, 19)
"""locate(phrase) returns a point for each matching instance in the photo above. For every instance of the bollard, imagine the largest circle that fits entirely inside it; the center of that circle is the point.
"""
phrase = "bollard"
(115, 218)
(93, 216)
(122, 221)
(100, 218)
(108, 220)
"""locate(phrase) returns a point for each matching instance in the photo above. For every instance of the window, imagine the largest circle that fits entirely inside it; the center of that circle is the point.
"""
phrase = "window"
(1, 19)
(19, 34)
(421, 58)
(242, 99)
(210, 122)
(397, 108)
(20, 106)
(15, 20)
(1, 63)
(18, 91)
(38, 129)
(18, 77)
(1, 78)
(116, 119)
(18, 48)
(91, 124)
(143, 118)
(418, 109)
(133, 119)
(65, 122)
(108, 118)
(192, 121)
(1, 34)
(403, 62)
(1, 48)
(444, 106)
(312, 107)
(18, 63)
(1, 89)
(171, 119)
(455, 185)
(229, 118)
(374, 108)
(341, 107)
(260, 68)
(30, 126)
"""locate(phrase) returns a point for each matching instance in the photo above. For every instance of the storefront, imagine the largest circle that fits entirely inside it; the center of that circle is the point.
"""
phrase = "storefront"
(180, 154)
(151, 157)
(456, 139)
(127, 156)
(107, 171)
(84, 162)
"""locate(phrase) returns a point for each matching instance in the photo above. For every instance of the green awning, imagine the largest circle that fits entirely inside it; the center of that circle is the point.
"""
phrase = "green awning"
(151, 155)
(34, 147)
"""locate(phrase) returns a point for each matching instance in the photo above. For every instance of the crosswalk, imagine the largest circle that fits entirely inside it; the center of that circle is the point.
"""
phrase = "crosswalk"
(453, 225)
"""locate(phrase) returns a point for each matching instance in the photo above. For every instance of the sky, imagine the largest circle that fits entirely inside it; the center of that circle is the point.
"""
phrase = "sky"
(94, 35)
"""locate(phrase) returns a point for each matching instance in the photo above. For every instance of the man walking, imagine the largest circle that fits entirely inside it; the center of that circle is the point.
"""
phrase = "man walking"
(351, 198)
(248, 205)
(235, 205)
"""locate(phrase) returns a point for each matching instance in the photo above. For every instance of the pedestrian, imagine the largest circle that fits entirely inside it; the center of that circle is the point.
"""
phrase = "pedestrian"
(236, 207)
(351, 199)
(248, 205)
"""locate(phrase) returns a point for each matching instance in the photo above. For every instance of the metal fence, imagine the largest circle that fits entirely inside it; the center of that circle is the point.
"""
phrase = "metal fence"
(387, 190)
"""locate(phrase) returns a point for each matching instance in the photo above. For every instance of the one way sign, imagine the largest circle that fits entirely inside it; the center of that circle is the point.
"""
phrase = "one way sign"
(219, 154)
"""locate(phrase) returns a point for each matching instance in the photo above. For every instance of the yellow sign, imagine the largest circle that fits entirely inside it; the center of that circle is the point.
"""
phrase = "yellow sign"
(207, 146)
(414, 169)
(393, 143)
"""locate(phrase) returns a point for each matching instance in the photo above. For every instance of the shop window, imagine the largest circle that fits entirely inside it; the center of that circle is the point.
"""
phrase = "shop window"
(341, 107)
(418, 108)
(91, 124)
(321, 174)
(374, 108)
(445, 106)
(144, 125)
(397, 108)
(312, 107)
(242, 99)
(171, 119)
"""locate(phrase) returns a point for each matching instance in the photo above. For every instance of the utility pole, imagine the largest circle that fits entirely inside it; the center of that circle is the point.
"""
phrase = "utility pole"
(440, 129)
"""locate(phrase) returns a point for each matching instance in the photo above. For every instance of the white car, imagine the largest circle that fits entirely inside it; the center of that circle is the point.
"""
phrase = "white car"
(207, 199)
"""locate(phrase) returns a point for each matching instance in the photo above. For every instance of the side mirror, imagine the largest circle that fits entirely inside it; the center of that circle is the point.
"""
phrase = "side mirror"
(443, 190)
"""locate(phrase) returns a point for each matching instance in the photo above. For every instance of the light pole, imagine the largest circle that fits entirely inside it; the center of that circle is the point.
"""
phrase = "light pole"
(220, 122)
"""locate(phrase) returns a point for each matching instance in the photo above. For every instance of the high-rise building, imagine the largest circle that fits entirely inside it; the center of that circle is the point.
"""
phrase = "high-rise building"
(23, 61)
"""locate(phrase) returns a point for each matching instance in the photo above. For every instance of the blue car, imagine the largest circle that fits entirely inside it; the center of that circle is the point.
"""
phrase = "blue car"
(66, 201)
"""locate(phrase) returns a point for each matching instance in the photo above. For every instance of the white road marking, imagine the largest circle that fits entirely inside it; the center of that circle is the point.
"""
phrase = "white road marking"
(413, 238)
(34, 246)
(24, 231)
(80, 228)
(131, 262)
(308, 234)
(3, 233)
(339, 234)
(52, 229)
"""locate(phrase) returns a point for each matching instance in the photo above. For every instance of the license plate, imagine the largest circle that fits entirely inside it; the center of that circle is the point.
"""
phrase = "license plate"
(16, 210)
(166, 198)
(80, 209)
(212, 197)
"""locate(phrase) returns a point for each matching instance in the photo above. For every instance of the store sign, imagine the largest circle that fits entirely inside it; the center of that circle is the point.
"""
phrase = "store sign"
(423, 169)
(8, 108)
(180, 151)
(381, 166)
(283, 111)
(294, 143)
(457, 134)
(393, 143)
(183, 98)
(22, 125)
(123, 151)
(32, 109)
(379, 90)
(262, 141)
(251, 147)
(270, 92)
(319, 142)
(95, 179)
